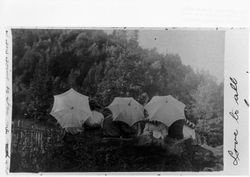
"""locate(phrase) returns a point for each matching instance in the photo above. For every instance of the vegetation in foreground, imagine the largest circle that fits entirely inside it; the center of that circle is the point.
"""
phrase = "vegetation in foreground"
(91, 153)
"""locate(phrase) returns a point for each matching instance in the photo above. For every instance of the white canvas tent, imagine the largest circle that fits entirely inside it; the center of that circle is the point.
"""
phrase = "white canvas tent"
(165, 109)
(71, 109)
(127, 110)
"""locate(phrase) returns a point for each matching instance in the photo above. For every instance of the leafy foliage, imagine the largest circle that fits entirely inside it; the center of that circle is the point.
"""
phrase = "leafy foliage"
(103, 66)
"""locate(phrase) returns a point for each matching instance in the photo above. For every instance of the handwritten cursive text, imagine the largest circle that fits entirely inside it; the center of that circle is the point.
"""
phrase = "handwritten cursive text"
(235, 153)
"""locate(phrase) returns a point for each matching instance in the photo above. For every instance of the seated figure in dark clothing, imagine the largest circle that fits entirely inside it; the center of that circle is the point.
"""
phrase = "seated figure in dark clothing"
(125, 130)
(69, 138)
(94, 122)
(115, 128)
(108, 125)
(176, 129)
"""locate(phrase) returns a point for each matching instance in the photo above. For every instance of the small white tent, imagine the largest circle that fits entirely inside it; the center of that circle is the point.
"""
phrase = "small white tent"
(165, 109)
(71, 109)
(127, 110)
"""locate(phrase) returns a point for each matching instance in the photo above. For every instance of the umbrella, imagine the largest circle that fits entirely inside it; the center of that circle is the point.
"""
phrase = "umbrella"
(126, 110)
(165, 109)
(71, 109)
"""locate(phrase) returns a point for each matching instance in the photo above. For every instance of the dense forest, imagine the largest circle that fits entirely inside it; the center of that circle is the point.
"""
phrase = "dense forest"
(103, 66)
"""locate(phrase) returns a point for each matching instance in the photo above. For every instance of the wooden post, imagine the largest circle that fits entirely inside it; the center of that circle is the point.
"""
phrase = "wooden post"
(40, 134)
(17, 134)
(38, 138)
(20, 129)
(32, 135)
(41, 137)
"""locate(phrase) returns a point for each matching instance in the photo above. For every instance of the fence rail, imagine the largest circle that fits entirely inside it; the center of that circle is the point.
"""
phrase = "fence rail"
(33, 137)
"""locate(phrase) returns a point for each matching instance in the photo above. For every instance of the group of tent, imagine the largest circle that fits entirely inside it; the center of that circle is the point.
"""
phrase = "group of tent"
(165, 114)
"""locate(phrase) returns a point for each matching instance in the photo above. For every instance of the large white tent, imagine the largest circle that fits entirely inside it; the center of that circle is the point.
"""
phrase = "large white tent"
(71, 109)
(165, 109)
(127, 110)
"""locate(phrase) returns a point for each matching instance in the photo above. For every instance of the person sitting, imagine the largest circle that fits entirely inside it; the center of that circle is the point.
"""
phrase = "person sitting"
(113, 128)
(125, 130)
(70, 133)
(94, 122)
(110, 129)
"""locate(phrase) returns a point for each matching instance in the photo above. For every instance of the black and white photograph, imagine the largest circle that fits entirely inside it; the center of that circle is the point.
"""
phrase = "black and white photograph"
(117, 100)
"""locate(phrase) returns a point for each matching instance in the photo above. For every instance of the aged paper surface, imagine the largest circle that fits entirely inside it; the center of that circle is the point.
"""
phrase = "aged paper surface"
(235, 70)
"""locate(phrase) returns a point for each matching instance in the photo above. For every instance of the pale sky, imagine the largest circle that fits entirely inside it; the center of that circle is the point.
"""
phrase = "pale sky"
(201, 49)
